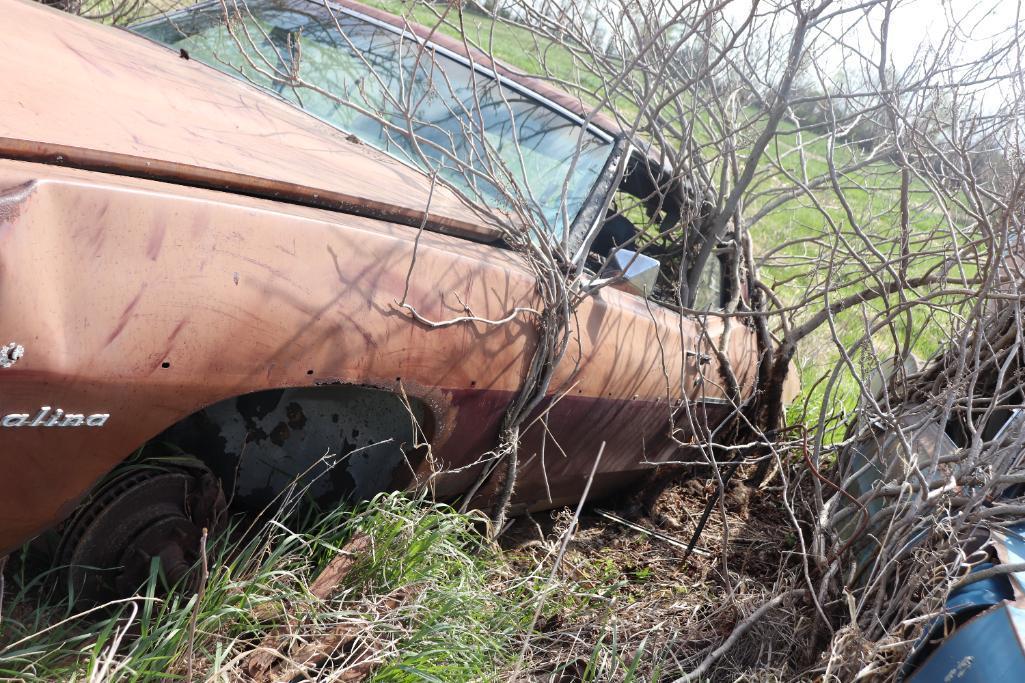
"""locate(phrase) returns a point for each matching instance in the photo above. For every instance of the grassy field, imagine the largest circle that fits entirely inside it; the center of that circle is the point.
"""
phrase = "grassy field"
(444, 622)
(426, 599)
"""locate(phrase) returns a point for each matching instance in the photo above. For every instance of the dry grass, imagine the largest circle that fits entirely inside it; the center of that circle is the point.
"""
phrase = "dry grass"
(653, 613)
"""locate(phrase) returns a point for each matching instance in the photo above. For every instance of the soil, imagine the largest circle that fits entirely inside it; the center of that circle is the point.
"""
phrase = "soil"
(650, 580)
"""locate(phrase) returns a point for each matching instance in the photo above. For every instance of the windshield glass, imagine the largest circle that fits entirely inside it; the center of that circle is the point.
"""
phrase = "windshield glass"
(491, 142)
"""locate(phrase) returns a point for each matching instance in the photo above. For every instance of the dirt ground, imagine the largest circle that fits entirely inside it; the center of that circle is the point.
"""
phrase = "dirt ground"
(673, 606)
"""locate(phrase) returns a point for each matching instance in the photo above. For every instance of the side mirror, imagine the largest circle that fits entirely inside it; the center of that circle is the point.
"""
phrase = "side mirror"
(630, 271)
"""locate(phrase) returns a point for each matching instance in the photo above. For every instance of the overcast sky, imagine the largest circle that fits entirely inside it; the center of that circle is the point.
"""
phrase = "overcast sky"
(920, 25)
(917, 28)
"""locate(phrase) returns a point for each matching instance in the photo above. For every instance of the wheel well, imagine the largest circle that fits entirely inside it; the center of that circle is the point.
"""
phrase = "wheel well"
(340, 441)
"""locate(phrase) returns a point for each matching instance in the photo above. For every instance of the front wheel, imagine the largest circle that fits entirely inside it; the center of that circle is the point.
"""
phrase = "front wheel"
(145, 514)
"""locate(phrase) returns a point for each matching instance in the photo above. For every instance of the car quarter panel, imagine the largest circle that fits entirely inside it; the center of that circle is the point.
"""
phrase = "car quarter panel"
(629, 364)
(147, 301)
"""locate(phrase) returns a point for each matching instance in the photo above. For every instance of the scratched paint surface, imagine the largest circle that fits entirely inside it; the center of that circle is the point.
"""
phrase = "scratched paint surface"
(148, 302)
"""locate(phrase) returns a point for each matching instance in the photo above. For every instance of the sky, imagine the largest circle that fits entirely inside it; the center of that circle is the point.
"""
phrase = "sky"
(925, 22)
(919, 27)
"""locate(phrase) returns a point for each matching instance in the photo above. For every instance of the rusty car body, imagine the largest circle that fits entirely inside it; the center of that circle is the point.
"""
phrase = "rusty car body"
(189, 259)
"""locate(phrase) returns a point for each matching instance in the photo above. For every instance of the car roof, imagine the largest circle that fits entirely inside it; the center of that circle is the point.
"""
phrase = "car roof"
(85, 95)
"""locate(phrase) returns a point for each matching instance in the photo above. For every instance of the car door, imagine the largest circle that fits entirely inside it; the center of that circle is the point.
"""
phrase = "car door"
(641, 374)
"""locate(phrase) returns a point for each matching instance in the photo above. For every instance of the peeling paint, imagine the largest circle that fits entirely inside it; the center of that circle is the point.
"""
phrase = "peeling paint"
(11, 354)
(12, 199)
(336, 441)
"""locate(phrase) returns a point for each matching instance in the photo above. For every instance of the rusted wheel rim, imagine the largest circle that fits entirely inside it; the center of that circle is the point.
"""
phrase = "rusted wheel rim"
(139, 518)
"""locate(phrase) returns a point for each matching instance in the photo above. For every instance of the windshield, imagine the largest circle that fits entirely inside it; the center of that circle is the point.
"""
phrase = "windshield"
(489, 141)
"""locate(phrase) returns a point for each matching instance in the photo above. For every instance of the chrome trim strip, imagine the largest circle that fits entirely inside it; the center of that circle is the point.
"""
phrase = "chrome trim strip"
(715, 401)
(465, 61)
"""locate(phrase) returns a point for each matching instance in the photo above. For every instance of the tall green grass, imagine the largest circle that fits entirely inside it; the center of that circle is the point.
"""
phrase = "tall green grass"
(451, 626)
(430, 601)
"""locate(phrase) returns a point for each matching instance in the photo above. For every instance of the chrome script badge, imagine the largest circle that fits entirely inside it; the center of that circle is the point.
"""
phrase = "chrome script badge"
(58, 418)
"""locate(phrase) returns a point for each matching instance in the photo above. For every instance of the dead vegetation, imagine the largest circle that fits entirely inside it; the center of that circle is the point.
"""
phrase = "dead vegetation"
(666, 609)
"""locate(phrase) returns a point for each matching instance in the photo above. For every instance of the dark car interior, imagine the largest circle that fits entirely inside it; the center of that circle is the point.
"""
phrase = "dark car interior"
(657, 216)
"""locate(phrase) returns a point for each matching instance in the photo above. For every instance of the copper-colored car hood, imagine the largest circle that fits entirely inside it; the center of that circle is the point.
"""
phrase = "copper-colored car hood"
(81, 94)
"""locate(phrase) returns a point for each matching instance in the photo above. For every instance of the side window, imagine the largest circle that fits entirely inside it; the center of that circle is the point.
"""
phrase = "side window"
(709, 293)
(635, 220)
(625, 226)
(653, 216)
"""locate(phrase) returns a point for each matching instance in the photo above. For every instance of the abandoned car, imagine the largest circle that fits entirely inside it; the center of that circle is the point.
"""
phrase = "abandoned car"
(198, 259)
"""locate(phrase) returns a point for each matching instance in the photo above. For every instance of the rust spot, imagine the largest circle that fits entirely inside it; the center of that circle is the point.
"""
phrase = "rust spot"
(296, 416)
(280, 434)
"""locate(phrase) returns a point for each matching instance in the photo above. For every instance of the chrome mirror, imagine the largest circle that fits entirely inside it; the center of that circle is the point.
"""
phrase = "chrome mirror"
(629, 271)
